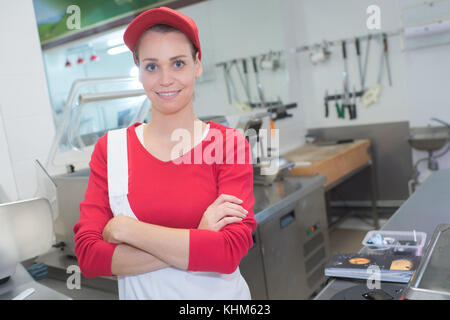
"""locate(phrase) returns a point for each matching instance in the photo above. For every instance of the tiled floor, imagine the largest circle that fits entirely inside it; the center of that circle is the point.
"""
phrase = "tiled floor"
(347, 237)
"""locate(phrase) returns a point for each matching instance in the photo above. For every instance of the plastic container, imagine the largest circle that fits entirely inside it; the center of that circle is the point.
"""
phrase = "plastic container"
(399, 242)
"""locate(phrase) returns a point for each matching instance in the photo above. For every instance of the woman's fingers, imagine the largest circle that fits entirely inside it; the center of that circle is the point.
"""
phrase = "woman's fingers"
(227, 220)
(227, 198)
(230, 212)
(237, 207)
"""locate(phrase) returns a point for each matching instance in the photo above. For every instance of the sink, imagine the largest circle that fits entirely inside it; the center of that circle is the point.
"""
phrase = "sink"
(429, 138)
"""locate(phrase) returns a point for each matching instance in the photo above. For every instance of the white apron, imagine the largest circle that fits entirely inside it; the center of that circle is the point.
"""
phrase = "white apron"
(167, 283)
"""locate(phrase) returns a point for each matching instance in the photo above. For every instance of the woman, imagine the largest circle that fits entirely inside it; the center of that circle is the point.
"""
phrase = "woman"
(171, 219)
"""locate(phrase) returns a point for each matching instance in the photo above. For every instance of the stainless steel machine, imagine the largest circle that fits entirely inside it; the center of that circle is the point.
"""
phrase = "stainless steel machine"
(26, 231)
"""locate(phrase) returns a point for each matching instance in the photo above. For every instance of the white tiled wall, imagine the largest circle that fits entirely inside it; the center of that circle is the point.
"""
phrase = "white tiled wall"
(26, 129)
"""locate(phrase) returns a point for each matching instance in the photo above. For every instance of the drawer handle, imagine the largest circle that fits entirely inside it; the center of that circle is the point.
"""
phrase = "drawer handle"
(287, 219)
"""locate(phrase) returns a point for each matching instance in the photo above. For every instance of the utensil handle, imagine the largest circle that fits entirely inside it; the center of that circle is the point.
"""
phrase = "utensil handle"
(358, 52)
(344, 50)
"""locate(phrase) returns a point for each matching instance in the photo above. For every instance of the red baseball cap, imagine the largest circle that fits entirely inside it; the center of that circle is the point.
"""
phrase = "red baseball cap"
(162, 15)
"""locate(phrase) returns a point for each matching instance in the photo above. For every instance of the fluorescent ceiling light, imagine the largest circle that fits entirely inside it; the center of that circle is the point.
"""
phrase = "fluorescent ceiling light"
(117, 50)
(114, 42)
(134, 72)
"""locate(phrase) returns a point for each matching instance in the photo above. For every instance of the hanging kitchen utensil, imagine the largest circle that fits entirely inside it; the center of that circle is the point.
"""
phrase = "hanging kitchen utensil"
(352, 106)
(247, 81)
(358, 55)
(345, 77)
(340, 109)
(327, 111)
(227, 83)
(243, 107)
(372, 94)
(243, 81)
(369, 37)
(258, 85)
(388, 67)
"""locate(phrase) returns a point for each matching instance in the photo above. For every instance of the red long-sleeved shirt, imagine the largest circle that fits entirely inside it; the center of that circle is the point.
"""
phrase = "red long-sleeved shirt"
(173, 195)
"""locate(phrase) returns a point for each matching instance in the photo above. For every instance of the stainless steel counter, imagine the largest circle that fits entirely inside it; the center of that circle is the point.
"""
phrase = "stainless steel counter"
(21, 281)
(269, 199)
(428, 207)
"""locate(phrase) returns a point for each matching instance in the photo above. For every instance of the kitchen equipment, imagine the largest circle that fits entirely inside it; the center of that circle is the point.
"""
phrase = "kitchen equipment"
(267, 166)
(429, 139)
(284, 166)
(366, 60)
(431, 280)
(291, 240)
(231, 88)
(244, 82)
(358, 55)
(320, 54)
(372, 94)
(219, 119)
(247, 83)
(388, 67)
(259, 86)
(345, 79)
(227, 81)
(26, 231)
(270, 61)
(352, 106)
(340, 108)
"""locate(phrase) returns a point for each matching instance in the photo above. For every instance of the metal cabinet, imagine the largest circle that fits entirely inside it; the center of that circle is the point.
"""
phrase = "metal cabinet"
(283, 263)
(314, 239)
(252, 269)
(290, 251)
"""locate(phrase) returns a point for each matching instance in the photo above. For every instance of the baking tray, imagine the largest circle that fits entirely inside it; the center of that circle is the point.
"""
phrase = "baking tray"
(432, 279)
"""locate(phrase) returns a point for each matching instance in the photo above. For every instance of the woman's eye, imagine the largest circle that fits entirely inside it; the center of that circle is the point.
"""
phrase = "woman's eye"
(179, 63)
(151, 67)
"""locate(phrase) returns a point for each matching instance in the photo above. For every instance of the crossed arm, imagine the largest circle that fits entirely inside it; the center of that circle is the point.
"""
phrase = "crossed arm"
(144, 247)
(106, 245)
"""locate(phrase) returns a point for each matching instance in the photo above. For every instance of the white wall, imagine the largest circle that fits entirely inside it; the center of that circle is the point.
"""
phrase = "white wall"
(420, 78)
(232, 29)
(26, 126)
(427, 79)
(330, 20)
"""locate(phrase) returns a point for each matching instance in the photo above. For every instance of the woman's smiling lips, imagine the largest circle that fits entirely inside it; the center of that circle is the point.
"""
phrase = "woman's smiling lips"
(168, 95)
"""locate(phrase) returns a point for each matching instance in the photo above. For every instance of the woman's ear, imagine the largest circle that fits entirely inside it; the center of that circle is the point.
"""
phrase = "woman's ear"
(198, 66)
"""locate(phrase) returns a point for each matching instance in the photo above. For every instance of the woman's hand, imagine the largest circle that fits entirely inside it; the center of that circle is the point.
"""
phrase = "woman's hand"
(116, 227)
(224, 210)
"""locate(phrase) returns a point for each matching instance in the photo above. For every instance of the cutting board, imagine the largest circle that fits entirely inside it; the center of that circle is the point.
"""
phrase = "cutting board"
(333, 161)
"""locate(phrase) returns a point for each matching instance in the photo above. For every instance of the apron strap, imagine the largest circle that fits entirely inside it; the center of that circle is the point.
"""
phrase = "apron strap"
(117, 162)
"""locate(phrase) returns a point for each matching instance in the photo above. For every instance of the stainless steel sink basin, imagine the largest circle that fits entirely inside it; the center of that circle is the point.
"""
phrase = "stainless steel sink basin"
(429, 138)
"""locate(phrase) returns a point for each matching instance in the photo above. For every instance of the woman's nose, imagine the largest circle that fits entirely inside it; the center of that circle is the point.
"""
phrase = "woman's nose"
(166, 78)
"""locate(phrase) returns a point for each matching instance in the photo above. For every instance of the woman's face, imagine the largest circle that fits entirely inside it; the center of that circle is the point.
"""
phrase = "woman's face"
(167, 70)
